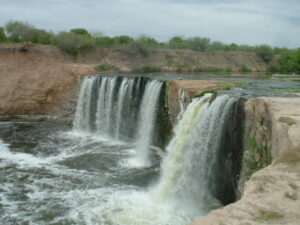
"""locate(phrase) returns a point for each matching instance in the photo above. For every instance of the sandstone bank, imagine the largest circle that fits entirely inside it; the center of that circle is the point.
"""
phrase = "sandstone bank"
(272, 194)
(37, 80)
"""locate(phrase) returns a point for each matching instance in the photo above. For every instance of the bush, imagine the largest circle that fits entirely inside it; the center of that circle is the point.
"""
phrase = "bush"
(198, 44)
(289, 61)
(244, 69)
(104, 41)
(19, 31)
(73, 43)
(42, 37)
(177, 42)
(146, 40)
(265, 52)
(124, 39)
(2, 35)
(80, 31)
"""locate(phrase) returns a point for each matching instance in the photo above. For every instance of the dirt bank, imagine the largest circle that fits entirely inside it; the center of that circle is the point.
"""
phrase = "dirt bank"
(170, 60)
(40, 80)
(37, 80)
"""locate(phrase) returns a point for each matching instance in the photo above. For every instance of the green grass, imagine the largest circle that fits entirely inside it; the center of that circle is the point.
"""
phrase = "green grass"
(266, 215)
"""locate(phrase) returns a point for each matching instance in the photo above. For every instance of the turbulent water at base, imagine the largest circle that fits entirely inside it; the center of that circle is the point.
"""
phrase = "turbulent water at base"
(51, 176)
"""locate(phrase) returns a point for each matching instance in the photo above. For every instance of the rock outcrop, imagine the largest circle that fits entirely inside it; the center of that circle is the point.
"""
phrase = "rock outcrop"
(272, 194)
(37, 80)
(181, 92)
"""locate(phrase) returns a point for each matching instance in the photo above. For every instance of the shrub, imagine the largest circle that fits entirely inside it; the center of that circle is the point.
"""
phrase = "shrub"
(80, 31)
(124, 39)
(73, 43)
(176, 42)
(147, 40)
(265, 52)
(268, 215)
(198, 43)
(2, 35)
(42, 37)
(244, 69)
(104, 41)
(292, 196)
(289, 121)
(19, 31)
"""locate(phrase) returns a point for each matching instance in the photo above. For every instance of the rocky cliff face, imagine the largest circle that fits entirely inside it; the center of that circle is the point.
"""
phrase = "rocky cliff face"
(272, 195)
(181, 92)
(36, 80)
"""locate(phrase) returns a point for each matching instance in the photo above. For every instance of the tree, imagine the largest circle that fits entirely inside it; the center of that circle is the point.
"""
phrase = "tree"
(176, 42)
(216, 46)
(73, 43)
(80, 31)
(124, 39)
(298, 61)
(42, 37)
(198, 43)
(2, 35)
(265, 52)
(19, 31)
(147, 40)
(288, 61)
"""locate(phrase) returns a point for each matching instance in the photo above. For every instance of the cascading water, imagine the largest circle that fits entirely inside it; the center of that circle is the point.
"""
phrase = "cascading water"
(112, 107)
(147, 121)
(190, 171)
(107, 106)
(82, 120)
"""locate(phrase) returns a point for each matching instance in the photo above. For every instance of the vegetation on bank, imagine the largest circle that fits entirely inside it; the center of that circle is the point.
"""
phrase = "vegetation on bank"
(79, 41)
(266, 215)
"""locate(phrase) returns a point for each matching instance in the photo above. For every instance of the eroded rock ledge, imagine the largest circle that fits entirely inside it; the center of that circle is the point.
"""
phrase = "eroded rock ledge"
(272, 194)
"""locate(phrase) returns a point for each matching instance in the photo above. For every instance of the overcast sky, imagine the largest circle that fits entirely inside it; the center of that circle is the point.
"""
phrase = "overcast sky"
(273, 22)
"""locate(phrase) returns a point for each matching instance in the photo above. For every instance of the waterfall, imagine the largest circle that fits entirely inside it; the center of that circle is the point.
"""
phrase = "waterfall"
(191, 169)
(82, 121)
(147, 121)
(120, 108)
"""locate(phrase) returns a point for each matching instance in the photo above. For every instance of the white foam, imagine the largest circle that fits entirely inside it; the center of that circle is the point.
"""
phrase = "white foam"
(23, 159)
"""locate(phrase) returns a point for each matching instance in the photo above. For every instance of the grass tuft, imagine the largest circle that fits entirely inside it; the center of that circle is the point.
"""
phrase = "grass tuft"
(289, 121)
(292, 196)
(268, 215)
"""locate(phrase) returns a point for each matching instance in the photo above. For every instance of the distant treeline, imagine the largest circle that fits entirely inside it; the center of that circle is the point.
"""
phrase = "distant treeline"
(79, 41)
